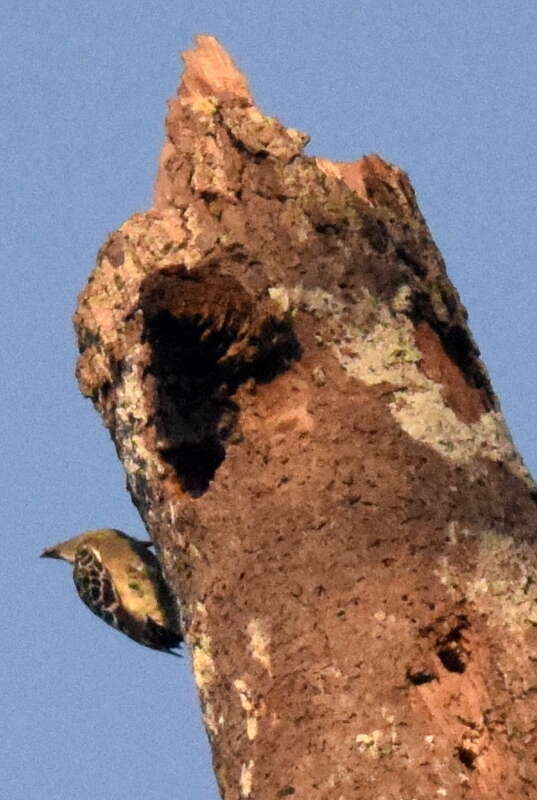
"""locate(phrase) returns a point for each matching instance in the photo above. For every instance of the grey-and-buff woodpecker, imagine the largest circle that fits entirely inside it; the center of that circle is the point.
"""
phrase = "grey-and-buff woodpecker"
(121, 581)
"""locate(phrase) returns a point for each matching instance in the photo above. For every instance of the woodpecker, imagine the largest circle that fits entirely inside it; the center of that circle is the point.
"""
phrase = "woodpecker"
(121, 581)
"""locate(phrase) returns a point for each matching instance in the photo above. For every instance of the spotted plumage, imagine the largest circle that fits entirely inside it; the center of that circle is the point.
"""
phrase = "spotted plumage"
(95, 586)
(121, 581)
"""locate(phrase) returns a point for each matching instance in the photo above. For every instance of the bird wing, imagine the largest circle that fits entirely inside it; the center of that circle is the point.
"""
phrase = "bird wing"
(95, 586)
(97, 590)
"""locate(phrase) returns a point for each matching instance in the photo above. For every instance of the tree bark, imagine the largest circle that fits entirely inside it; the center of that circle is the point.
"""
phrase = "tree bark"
(313, 443)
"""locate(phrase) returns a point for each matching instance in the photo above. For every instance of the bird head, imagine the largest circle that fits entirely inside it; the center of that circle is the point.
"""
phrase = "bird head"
(67, 550)
(64, 550)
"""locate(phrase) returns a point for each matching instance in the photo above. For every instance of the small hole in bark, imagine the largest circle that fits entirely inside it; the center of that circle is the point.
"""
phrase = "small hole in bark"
(420, 677)
(286, 791)
(451, 650)
(327, 227)
(451, 659)
(467, 757)
(209, 197)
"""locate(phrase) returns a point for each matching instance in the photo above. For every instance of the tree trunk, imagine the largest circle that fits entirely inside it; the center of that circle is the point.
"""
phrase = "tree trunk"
(314, 445)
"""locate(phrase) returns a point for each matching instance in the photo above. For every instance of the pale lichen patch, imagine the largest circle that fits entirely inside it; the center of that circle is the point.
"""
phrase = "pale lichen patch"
(246, 781)
(423, 414)
(206, 105)
(209, 719)
(402, 299)
(259, 643)
(508, 595)
(249, 706)
(193, 551)
(204, 674)
(251, 728)
(131, 390)
(369, 743)
(511, 598)
(380, 743)
(131, 413)
(203, 664)
(280, 296)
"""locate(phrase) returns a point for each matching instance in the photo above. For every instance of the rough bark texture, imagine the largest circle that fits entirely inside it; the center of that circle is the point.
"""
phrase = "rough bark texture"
(314, 445)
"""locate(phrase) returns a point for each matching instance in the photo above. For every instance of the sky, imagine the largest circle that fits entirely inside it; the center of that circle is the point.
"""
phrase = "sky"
(448, 91)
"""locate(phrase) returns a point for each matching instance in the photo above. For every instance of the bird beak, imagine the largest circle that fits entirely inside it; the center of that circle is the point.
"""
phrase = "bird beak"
(49, 552)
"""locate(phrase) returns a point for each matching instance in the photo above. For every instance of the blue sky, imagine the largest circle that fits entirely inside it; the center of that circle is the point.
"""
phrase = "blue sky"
(448, 91)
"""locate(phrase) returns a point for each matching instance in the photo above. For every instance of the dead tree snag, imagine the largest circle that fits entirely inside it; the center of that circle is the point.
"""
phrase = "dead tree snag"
(313, 442)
